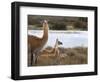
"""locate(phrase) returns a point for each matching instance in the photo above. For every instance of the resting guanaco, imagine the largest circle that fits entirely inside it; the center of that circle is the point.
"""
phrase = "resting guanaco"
(54, 51)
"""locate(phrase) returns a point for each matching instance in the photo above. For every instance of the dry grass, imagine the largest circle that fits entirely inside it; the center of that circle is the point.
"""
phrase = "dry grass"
(67, 56)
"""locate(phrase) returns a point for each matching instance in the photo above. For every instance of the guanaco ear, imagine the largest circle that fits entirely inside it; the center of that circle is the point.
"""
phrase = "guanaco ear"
(43, 21)
(57, 40)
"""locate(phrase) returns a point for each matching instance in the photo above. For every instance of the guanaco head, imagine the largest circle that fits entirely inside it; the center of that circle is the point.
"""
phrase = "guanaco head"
(58, 42)
(45, 24)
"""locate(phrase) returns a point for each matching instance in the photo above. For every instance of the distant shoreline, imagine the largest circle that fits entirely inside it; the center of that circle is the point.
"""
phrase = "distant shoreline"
(62, 31)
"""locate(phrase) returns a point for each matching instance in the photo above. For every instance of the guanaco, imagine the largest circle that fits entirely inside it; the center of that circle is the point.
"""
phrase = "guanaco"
(36, 44)
(55, 49)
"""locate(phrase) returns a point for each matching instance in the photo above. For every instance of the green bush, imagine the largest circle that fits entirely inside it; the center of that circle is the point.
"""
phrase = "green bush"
(58, 26)
(80, 25)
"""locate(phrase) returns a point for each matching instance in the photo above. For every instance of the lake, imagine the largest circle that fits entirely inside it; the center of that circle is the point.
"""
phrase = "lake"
(68, 38)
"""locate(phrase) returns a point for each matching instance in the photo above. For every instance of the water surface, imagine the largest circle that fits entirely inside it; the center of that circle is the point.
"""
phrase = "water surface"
(68, 38)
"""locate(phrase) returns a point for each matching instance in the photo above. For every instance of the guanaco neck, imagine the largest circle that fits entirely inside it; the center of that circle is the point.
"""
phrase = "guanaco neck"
(45, 32)
(56, 44)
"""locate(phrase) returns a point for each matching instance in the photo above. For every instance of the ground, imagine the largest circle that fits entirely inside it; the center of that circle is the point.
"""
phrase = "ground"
(67, 56)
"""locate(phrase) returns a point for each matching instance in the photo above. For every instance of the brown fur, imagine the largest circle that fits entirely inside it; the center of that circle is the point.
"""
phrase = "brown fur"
(36, 43)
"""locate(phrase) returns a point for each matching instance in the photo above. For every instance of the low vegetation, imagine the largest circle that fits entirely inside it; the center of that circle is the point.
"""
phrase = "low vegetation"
(67, 56)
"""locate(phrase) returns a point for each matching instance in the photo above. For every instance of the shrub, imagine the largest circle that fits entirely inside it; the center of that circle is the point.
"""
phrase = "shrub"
(58, 26)
(80, 25)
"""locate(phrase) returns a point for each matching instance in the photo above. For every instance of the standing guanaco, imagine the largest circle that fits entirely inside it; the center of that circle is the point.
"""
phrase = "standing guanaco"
(36, 44)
